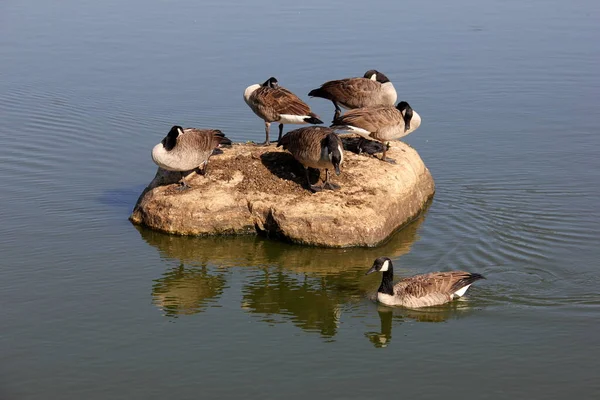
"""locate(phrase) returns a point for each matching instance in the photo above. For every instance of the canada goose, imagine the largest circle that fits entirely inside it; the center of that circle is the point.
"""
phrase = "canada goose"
(381, 123)
(373, 89)
(315, 147)
(274, 103)
(420, 290)
(187, 149)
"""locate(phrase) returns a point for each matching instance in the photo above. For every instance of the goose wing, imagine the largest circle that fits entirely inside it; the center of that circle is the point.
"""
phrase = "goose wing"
(202, 140)
(435, 283)
(305, 143)
(273, 102)
(371, 119)
(352, 92)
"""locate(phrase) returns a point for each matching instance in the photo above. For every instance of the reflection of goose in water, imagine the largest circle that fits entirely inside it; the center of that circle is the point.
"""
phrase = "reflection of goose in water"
(382, 338)
(302, 285)
(185, 291)
(389, 315)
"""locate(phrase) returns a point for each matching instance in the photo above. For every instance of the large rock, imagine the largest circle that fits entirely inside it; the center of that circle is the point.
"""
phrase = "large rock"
(254, 189)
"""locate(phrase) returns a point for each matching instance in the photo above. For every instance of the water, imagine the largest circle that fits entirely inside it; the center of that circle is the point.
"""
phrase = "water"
(93, 307)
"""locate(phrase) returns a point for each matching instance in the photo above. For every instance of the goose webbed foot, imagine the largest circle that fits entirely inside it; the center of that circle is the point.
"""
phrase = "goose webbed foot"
(384, 156)
(264, 144)
(203, 171)
(315, 188)
(183, 186)
(331, 186)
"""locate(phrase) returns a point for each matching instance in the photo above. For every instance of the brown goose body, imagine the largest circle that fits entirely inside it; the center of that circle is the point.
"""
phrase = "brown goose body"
(187, 149)
(418, 291)
(315, 147)
(374, 89)
(273, 103)
(382, 123)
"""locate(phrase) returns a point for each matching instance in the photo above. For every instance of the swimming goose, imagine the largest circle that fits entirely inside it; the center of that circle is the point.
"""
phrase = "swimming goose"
(421, 290)
(315, 147)
(187, 149)
(373, 89)
(381, 123)
(274, 103)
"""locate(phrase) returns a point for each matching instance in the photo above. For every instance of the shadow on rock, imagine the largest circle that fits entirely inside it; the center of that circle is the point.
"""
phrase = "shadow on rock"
(369, 146)
(284, 166)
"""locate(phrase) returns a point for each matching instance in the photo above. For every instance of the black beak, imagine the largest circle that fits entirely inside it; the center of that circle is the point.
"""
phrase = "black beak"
(373, 269)
(406, 126)
(337, 169)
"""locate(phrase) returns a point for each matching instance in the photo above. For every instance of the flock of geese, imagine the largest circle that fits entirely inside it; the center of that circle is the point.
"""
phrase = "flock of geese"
(371, 115)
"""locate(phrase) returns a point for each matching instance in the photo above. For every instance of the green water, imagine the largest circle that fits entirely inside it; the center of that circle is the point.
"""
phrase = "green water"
(94, 307)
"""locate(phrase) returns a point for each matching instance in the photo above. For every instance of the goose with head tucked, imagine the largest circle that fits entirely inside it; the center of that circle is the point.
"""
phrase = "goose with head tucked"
(274, 103)
(315, 147)
(420, 290)
(373, 89)
(381, 123)
(187, 149)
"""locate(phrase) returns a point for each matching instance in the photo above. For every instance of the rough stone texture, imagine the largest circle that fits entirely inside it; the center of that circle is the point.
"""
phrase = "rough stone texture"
(254, 189)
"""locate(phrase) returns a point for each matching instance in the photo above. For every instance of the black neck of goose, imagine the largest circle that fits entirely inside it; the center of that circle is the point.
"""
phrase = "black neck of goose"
(387, 282)
(169, 142)
(381, 78)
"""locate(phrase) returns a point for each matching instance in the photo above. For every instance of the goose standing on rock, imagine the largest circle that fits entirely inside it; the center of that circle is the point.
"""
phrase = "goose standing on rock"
(373, 89)
(381, 123)
(421, 290)
(187, 149)
(315, 147)
(274, 103)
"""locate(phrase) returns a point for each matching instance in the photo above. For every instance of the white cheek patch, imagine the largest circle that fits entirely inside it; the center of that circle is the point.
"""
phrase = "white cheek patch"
(374, 77)
(385, 266)
(180, 131)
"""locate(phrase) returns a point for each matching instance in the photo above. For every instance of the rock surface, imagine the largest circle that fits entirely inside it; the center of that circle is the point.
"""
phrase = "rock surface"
(253, 189)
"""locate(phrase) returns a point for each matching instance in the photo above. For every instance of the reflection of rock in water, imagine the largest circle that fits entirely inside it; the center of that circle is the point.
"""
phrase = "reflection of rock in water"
(305, 285)
(185, 291)
(256, 251)
(311, 304)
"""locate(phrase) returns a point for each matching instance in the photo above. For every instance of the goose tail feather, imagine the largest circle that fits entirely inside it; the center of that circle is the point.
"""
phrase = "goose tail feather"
(469, 279)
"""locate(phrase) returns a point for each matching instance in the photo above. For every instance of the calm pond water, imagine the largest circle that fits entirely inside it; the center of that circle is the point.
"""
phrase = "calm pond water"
(95, 308)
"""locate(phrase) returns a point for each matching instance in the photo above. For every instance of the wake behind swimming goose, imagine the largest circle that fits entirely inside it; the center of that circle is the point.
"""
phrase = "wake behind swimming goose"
(373, 89)
(274, 103)
(315, 147)
(421, 290)
(381, 123)
(187, 149)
